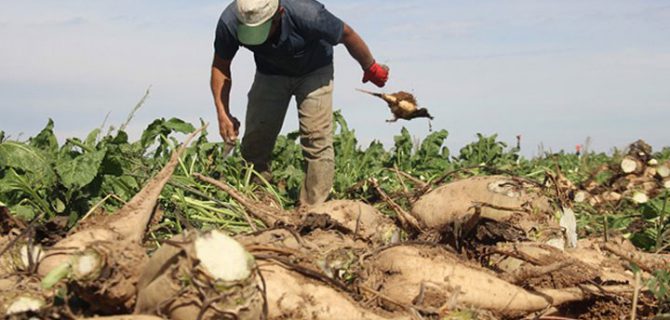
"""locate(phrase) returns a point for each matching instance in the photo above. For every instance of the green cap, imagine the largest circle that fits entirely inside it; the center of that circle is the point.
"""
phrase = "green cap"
(253, 35)
(255, 17)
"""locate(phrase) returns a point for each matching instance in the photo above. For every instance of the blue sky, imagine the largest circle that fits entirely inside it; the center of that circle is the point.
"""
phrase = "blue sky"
(556, 72)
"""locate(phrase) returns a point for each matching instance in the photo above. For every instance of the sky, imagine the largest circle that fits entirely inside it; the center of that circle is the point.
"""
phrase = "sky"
(556, 72)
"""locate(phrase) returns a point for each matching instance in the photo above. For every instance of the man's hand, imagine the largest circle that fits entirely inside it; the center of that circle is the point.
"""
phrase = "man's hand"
(377, 74)
(229, 128)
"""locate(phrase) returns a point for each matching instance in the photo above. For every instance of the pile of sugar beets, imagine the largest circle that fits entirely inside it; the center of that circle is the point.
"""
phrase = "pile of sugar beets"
(637, 176)
(486, 247)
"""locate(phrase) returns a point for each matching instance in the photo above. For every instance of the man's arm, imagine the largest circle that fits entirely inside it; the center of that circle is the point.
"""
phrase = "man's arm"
(357, 48)
(220, 83)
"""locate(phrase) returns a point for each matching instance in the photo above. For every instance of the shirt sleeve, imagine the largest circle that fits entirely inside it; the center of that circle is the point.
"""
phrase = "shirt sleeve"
(225, 44)
(320, 24)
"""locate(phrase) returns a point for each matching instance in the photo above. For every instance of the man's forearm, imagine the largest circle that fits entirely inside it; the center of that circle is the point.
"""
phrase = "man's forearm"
(357, 47)
(221, 85)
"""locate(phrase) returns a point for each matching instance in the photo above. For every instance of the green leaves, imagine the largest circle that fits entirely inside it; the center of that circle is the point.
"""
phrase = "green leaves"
(659, 285)
(488, 151)
(344, 140)
(46, 139)
(432, 145)
(432, 153)
(403, 149)
(162, 127)
(25, 213)
(656, 212)
(40, 177)
(24, 157)
(429, 155)
(287, 162)
(25, 188)
(159, 131)
(92, 138)
(80, 171)
(123, 186)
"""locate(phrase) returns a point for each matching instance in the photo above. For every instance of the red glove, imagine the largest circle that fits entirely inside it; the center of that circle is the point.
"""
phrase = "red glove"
(377, 73)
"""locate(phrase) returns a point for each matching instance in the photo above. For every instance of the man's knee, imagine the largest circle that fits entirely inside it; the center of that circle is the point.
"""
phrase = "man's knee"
(317, 145)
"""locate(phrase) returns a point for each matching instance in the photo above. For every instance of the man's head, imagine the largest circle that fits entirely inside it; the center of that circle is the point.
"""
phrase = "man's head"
(255, 20)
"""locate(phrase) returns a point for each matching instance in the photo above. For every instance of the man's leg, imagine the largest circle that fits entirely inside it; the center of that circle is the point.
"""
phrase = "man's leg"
(314, 95)
(268, 100)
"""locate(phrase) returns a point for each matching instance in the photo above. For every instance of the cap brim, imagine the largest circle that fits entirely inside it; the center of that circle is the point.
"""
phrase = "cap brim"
(255, 35)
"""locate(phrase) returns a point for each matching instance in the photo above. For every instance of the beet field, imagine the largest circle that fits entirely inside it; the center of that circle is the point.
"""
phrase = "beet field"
(171, 226)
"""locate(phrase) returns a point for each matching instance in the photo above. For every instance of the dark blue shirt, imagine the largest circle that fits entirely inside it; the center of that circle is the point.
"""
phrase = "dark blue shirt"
(307, 36)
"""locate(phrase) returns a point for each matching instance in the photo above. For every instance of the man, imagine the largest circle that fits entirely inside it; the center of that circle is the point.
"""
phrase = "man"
(292, 42)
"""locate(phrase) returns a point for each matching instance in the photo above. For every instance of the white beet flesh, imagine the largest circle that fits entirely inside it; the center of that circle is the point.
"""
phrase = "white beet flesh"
(223, 257)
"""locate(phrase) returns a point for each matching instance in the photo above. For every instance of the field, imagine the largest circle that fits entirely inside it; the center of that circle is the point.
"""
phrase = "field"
(171, 227)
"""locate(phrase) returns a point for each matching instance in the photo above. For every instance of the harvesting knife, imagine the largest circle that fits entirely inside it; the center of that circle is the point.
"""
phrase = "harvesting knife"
(230, 145)
(227, 149)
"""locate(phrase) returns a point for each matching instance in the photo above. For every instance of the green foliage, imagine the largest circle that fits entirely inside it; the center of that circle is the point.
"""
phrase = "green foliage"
(159, 130)
(655, 213)
(24, 157)
(402, 150)
(663, 155)
(487, 151)
(659, 285)
(79, 171)
(26, 172)
(353, 164)
(46, 139)
(287, 163)
(40, 176)
(432, 154)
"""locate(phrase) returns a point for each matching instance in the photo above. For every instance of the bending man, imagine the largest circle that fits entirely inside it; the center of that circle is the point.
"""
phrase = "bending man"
(292, 42)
